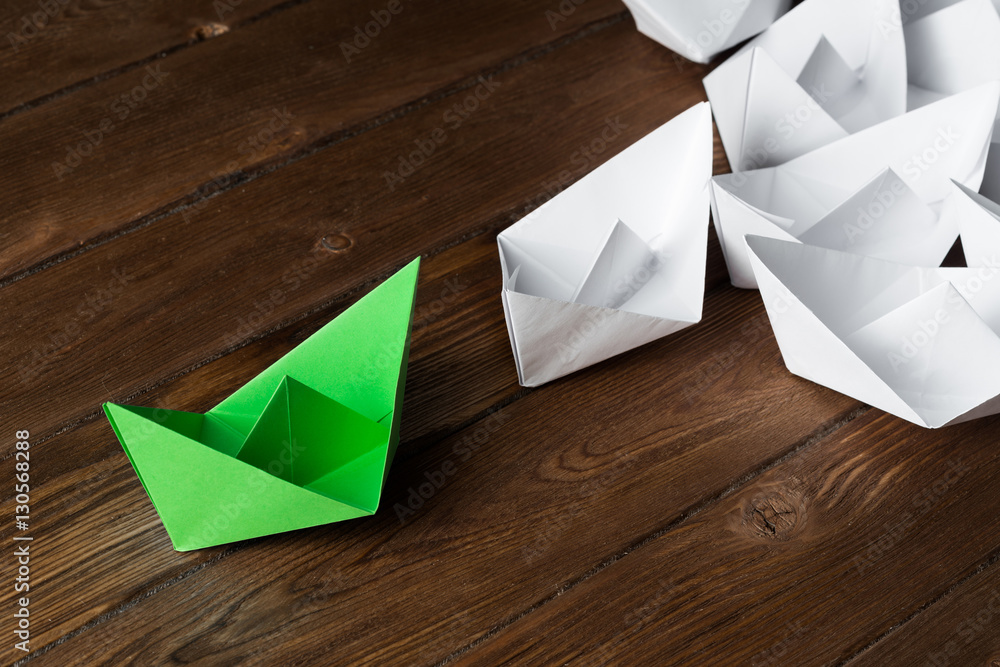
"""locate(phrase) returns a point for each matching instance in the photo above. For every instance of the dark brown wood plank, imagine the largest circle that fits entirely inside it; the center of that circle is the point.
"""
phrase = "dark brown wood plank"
(53, 45)
(962, 628)
(540, 493)
(453, 378)
(806, 565)
(124, 151)
(77, 459)
(169, 296)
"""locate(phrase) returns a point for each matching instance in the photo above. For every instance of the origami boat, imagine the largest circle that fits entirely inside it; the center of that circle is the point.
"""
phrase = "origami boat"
(309, 441)
(829, 68)
(699, 30)
(882, 191)
(616, 260)
(920, 343)
(821, 72)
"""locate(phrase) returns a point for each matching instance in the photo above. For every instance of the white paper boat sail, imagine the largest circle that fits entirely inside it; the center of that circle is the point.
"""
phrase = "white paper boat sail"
(920, 343)
(878, 192)
(700, 30)
(824, 70)
(616, 260)
(833, 67)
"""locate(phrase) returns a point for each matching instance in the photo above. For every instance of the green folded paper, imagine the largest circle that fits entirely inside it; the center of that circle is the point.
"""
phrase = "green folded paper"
(308, 441)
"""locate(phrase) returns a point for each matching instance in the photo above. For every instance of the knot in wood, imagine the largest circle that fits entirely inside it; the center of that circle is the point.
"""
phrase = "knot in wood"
(772, 514)
(209, 30)
(337, 242)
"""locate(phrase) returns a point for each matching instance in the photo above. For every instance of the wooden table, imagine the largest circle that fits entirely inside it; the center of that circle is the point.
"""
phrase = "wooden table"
(193, 188)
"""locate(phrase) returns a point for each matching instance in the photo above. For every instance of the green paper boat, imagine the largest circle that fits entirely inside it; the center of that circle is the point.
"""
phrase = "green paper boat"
(309, 441)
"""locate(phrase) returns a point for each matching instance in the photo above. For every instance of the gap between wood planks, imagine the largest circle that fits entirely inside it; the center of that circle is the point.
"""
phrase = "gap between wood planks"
(497, 223)
(682, 518)
(123, 69)
(983, 567)
(494, 225)
(243, 177)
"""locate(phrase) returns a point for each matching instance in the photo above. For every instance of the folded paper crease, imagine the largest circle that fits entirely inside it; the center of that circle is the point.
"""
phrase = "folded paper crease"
(308, 441)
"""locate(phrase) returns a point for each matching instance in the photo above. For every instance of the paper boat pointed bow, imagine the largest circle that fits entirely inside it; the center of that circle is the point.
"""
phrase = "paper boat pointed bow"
(309, 441)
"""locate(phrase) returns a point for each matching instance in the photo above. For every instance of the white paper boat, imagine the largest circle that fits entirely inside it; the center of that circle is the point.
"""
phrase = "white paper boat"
(950, 47)
(699, 30)
(824, 70)
(616, 260)
(920, 343)
(881, 191)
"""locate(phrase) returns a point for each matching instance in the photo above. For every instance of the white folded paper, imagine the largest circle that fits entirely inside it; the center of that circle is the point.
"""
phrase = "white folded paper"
(824, 70)
(950, 46)
(979, 219)
(699, 30)
(879, 192)
(831, 67)
(920, 343)
(615, 261)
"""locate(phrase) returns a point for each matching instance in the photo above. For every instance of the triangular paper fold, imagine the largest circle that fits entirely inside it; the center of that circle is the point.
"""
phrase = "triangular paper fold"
(700, 30)
(308, 441)
(920, 343)
(883, 191)
(615, 261)
(830, 64)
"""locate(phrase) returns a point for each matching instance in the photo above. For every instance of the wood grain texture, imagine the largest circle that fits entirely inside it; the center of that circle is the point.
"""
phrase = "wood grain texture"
(689, 502)
(127, 150)
(452, 381)
(960, 628)
(504, 532)
(807, 565)
(50, 47)
(252, 259)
